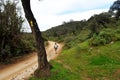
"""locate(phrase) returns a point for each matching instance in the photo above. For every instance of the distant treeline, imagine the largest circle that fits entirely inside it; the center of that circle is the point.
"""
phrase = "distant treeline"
(99, 29)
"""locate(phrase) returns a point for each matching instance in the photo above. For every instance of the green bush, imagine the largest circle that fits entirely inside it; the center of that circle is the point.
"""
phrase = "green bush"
(13, 42)
(106, 36)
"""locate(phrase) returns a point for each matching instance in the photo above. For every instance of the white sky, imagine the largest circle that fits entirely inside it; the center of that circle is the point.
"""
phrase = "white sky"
(50, 13)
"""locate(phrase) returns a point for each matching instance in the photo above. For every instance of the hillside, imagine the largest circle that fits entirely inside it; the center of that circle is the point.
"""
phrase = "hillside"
(91, 52)
(84, 62)
(75, 32)
(66, 29)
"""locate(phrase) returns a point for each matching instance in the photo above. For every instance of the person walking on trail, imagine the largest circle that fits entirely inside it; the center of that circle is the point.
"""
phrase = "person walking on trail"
(56, 47)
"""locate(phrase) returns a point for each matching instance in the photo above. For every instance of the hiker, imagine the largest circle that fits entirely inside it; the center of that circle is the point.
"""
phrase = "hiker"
(55, 47)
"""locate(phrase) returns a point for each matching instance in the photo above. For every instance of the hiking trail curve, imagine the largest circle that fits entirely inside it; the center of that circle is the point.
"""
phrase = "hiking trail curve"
(25, 68)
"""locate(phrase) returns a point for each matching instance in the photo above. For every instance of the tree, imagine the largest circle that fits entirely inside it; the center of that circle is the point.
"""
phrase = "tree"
(44, 67)
(10, 31)
(98, 22)
(115, 9)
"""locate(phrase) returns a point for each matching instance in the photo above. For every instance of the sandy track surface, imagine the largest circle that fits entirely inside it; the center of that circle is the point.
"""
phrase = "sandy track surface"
(24, 69)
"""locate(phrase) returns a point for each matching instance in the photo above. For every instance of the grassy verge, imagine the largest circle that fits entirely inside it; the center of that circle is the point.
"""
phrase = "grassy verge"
(59, 72)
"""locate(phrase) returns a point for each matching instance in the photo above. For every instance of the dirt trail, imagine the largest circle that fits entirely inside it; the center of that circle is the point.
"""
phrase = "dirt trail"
(23, 69)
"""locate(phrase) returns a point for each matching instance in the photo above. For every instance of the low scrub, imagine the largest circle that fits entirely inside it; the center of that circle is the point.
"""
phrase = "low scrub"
(105, 36)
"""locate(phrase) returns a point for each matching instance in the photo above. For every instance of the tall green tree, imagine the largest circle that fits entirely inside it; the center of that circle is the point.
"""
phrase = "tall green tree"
(115, 9)
(10, 30)
(98, 22)
(43, 69)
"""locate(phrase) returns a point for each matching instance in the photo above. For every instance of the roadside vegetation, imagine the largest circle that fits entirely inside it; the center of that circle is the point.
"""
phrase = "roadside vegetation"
(13, 41)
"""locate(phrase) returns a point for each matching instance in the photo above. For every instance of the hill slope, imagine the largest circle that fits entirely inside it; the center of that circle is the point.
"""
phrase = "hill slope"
(84, 62)
(90, 53)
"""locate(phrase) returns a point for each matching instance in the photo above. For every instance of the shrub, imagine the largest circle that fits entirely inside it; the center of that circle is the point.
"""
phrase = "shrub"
(106, 36)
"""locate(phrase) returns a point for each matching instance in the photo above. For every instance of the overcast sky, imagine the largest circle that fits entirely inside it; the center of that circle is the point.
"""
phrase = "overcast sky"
(50, 13)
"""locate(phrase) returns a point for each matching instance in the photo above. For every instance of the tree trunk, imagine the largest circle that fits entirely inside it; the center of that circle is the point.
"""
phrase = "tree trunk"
(43, 69)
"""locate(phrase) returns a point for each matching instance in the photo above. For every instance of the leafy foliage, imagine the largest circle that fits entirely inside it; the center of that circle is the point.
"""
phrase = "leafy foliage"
(115, 9)
(11, 37)
(97, 22)
(66, 29)
(105, 36)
